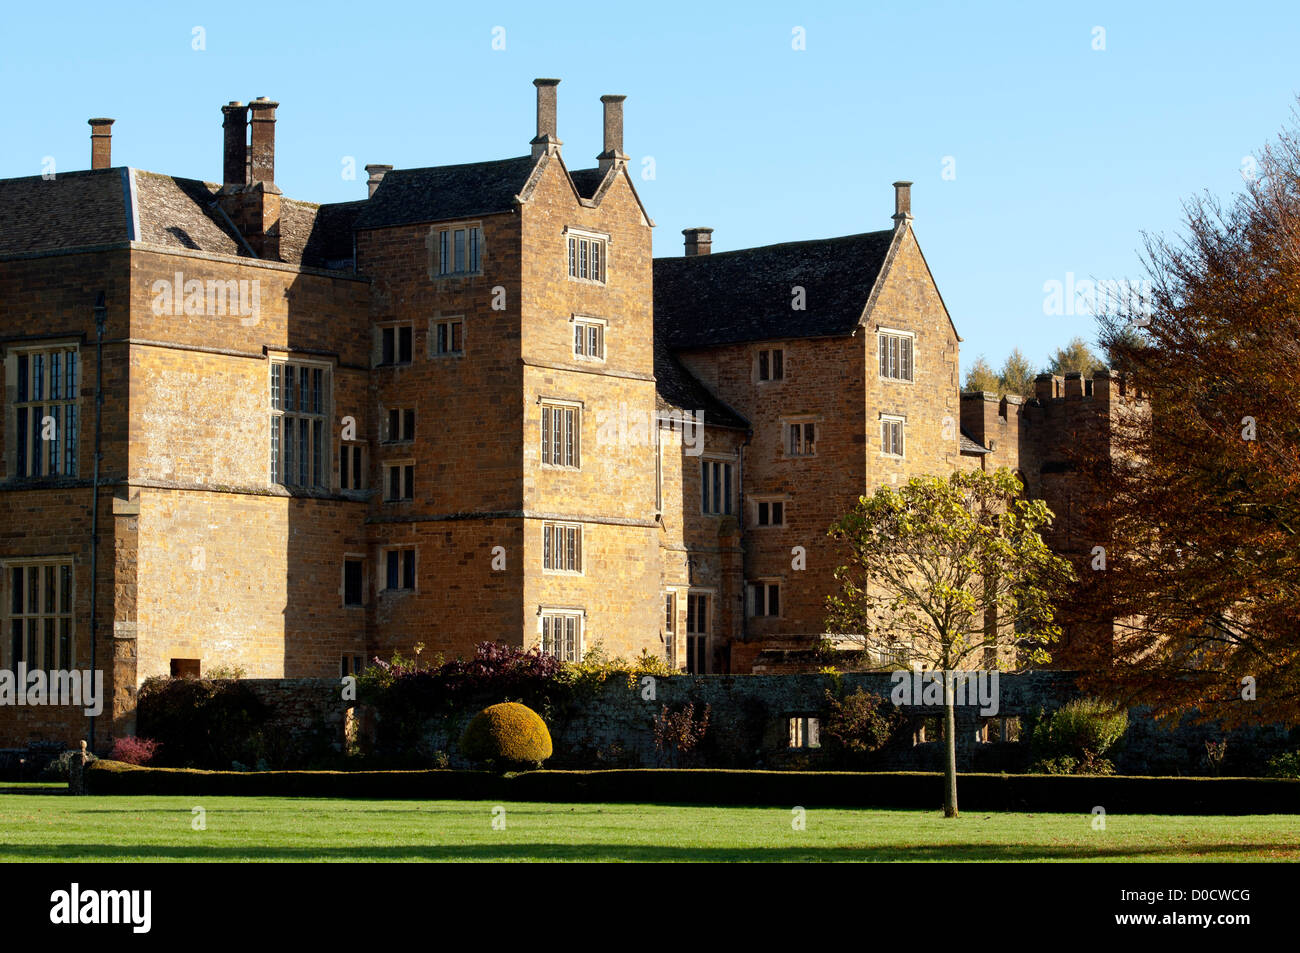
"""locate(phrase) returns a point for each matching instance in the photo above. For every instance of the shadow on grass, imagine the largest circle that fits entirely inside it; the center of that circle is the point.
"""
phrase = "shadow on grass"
(640, 852)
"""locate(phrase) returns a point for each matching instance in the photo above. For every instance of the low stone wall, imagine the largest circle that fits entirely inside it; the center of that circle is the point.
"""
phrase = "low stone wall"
(750, 725)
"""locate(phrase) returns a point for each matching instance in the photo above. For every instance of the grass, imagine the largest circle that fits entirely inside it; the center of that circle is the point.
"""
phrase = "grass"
(43, 827)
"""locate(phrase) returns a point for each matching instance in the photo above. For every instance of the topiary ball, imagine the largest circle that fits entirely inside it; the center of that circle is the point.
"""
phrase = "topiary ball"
(508, 735)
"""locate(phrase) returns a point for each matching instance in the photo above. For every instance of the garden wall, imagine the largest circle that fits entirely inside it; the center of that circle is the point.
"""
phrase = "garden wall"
(750, 726)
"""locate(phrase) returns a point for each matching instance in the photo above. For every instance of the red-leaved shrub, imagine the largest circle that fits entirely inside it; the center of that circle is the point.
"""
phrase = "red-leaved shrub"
(133, 750)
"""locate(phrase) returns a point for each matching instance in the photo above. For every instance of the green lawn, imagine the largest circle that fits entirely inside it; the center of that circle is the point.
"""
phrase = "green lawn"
(62, 828)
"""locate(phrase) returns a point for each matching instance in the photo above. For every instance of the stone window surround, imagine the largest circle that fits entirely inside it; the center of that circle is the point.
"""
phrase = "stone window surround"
(901, 420)
(782, 498)
(603, 323)
(881, 331)
(553, 611)
(343, 580)
(434, 241)
(765, 582)
(383, 565)
(572, 231)
(580, 548)
(11, 352)
(769, 380)
(388, 466)
(567, 404)
(7, 565)
(377, 355)
(434, 323)
(284, 359)
(787, 422)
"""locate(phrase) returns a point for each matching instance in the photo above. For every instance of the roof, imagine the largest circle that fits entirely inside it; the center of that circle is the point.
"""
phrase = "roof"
(745, 295)
(81, 209)
(970, 446)
(414, 196)
(587, 181)
(677, 389)
(70, 210)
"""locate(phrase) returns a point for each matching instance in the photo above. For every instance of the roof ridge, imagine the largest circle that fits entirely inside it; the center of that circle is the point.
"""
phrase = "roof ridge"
(794, 244)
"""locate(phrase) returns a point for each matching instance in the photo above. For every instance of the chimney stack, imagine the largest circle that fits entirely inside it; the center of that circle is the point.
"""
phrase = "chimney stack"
(902, 202)
(546, 142)
(262, 142)
(249, 195)
(376, 173)
(613, 154)
(101, 143)
(699, 241)
(234, 163)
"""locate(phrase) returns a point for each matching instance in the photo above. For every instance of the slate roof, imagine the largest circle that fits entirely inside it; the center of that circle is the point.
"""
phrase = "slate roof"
(80, 209)
(745, 295)
(72, 209)
(970, 446)
(414, 196)
(677, 389)
(587, 181)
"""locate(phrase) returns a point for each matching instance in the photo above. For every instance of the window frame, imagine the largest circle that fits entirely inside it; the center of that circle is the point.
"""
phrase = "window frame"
(710, 478)
(699, 634)
(571, 561)
(59, 458)
(547, 615)
(451, 323)
(887, 361)
(357, 559)
(406, 479)
(766, 360)
(402, 568)
(766, 586)
(769, 502)
(588, 323)
(579, 255)
(803, 423)
(571, 434)
(44, 627)
(396, 327)
(444, 252)
(320, 450)
(352, 459)
(892, 421)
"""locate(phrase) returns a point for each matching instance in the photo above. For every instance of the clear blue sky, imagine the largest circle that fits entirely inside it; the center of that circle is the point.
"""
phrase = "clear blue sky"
(1063, 154)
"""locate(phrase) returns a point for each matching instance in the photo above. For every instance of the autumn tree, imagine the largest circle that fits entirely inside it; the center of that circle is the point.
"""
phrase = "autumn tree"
(930, 563)
(1198, 505)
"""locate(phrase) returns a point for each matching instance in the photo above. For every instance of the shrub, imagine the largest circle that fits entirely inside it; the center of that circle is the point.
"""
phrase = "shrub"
(60, 769)
(1074, 738)
(678, 733)
(130, 750)
(201, 723)
(1284, 765)
(858, 725)
(508, 735)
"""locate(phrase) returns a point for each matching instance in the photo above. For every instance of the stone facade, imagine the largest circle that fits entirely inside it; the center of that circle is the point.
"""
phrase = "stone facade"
(331, 433)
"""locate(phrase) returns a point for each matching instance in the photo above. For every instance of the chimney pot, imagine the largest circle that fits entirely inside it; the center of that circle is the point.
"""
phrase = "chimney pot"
(376, 173)
(699, 241)
(546, 141)
(101, 143)
(902, 202)
(613, 153)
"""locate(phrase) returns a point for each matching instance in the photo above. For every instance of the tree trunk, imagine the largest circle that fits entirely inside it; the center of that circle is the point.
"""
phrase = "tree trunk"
(950, 746)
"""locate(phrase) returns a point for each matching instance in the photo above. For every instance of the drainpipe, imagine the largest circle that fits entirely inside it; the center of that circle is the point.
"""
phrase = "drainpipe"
(744, 553)
(101, 318)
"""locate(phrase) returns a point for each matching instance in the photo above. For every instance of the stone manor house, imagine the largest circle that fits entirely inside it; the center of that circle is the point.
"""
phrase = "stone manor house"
(469, 405)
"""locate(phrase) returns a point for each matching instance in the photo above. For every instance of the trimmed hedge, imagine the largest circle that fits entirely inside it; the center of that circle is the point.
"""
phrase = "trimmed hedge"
(1068, 794)
(508, 735)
